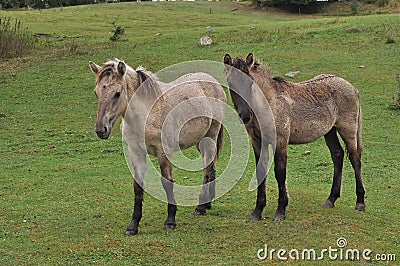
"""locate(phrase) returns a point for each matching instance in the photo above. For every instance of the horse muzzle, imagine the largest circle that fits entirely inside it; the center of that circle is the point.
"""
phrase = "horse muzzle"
(245, 118)
(102, 132)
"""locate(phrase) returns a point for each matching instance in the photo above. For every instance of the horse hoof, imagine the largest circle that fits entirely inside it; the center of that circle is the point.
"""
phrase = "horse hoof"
(130, 232)
(360, 207)
(169, 226)
(132, 229)
(279, 217)
(255, 217)
(328, 204)
(199, 212)
(208, 206)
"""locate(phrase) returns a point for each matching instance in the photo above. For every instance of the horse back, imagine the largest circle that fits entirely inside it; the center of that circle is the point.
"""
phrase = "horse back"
(183, 113)
(327, 89)
(312, 107)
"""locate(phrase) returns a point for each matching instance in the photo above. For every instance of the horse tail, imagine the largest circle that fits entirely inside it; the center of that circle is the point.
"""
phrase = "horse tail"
(359, 144)
(220, 140)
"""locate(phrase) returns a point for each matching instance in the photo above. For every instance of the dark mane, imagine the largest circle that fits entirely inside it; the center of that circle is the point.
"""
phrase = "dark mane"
(148, 84)
(279, 79)
(239, 63)
(142, 76)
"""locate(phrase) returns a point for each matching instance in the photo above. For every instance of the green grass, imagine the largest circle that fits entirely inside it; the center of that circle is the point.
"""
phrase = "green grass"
(67, 196)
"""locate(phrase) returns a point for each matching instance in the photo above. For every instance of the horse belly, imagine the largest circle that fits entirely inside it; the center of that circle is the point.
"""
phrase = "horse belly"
(310, 119)
(178, 137)
(193, 131)
(309, 131)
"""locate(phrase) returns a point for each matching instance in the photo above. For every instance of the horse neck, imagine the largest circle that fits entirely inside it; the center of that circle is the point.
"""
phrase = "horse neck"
(264, 80)
(149, 90)
(131, 84)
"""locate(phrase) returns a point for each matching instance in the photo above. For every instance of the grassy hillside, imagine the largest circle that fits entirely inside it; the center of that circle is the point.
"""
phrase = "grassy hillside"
(67, 196)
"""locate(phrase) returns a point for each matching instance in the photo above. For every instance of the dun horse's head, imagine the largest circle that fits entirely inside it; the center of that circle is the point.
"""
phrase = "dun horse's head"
(110, 92)
(240, 85)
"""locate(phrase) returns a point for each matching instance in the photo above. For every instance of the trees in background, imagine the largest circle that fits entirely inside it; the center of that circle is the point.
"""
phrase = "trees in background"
(310, 6)
(290, 5)
(40, 4)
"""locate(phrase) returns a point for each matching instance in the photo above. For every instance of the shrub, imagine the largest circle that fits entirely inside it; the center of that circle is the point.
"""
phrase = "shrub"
(117, 33)
(15, 40)
(354, 6)
(382, 3)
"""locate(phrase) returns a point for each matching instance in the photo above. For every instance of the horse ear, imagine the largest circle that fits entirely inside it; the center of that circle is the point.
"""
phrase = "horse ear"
(121, 68)
(95, 68)
(227, 60)
(250, 59)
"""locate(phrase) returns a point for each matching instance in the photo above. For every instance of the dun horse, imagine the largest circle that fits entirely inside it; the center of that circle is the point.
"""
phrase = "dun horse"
(303, 112)
(117, 84)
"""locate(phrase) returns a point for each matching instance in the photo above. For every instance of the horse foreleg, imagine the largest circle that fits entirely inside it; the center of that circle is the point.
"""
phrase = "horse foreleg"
(139, 167)
(337, 155)
(261, 201)
(280, 161)
(168, 185)
(132, 228)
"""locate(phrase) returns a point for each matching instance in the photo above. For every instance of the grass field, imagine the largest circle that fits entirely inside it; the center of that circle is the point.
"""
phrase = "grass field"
(67, 196)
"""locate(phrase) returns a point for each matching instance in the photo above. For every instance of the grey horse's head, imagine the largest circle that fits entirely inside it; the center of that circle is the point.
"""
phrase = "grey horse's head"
(110, 90)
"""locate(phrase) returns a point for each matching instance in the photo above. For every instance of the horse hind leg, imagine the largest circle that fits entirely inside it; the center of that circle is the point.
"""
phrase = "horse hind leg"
(208, 152)
(168, 185)
(360, 190)
(280, 175)
(337, 155)
(355, 159)
(208, 191)
(354, 152)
